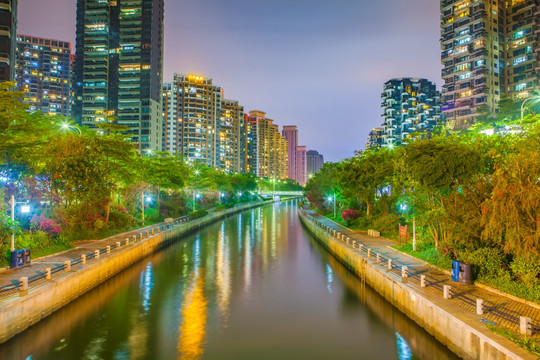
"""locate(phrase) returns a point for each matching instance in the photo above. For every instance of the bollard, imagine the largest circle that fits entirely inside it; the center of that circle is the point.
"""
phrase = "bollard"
(404, 272)
(108, 249)
(480, 306)
(389, 264)
(152, 231)
(422, 280)
(446, 292)
(67, 265)
(23, 284)
(118, 244)
(140, 235)
(127, 241)
(96, 254)
(48, 274)
(134, 237)
(378, 258)
(83, 259)
(369, 253)
(157, 229)
(525, 325)
(361, 247)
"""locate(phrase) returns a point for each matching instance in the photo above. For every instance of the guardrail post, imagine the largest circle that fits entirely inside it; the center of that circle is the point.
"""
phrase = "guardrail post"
(422, 280)
(369, 253)
(48, 274)
(525, 325)
(67, 265)
(446, 291)
(127, 241)
(108, 249)
(83, 259)
(134, 237)
(480, 306)
(404, 272)
(23, 284)
(378, 258)
(158, 229)
(361, 247)
(118, 244)
(96, 254)
(152, 231)
(389, 264)
(146, 233)
(140, 235)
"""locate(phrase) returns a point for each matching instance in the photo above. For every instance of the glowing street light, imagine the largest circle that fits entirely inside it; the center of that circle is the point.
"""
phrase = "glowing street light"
(73, 128)
(333, 199)
(24, 209)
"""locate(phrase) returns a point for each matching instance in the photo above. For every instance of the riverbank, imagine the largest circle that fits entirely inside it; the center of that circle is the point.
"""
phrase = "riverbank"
(453, 320)
(75, 272)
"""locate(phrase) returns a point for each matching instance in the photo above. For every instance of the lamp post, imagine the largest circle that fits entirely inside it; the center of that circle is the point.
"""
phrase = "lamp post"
(523, 105)
(25, 209)
(330, 198)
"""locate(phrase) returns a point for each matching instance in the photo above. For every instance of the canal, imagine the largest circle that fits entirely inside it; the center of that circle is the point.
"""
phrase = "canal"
(254, 286)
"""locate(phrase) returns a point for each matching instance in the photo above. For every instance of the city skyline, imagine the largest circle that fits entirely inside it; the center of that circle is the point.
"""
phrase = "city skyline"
(292, 58)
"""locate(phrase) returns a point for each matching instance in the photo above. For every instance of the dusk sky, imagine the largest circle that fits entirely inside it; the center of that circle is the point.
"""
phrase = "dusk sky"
(317, 64)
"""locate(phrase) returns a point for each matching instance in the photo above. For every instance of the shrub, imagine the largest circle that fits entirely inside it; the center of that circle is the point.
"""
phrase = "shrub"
(527, 269)
(119, 218)
(350, 215)
(220, 208)
(198, 214)
(50, 227)
(386, 222)
(32, 240)
(151, 214)
(487, 262)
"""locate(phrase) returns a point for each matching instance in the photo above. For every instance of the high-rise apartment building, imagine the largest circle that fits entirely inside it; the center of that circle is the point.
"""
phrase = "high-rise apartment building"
(375, 138)
(290, 133)
(192, 107)
(489, 49)
(409, 105)
(267, 148)
(232, 138)
(119, 67)
(301, 162)
(8, 39)
(43, 73)
(314, 162)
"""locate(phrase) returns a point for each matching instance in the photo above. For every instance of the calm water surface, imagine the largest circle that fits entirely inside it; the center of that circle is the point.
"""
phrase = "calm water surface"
(254, 286)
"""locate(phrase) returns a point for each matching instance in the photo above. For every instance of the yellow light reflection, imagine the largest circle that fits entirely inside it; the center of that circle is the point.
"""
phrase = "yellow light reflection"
(194, 314)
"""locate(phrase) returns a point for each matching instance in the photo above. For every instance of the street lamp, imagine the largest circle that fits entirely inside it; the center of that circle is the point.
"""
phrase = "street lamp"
(73, 128)
(523, 105)
(148, 199)
(24, 209)
(330, 198)
(195, 196)
(403, 207)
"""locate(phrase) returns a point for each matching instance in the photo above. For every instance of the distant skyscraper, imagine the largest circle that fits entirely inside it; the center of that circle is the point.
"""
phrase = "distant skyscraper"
(267, 148)
(489, 48)
(314, 162)
(43, 74)
(408, 105)
(8, 39)
(290, 133)
(301, 175)
(192, 107)
(375, 138)
(119, 67)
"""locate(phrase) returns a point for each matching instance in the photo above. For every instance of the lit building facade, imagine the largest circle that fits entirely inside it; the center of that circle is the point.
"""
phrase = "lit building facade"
(375, 138)
(43, 73)
(409, 105)
(314, 162)
(489, 49)
(267, 148)
(8, 39)
(301, 161)
(192, 108)
(119, 67)
(232, 138)
(290, 133)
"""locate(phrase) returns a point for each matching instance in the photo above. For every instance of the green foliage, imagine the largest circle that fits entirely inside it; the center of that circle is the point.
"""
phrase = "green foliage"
(487, 262)
(151, 215)
(198, 214)
(220, 208)
(528, 343)
(386, 222)
(527, 270)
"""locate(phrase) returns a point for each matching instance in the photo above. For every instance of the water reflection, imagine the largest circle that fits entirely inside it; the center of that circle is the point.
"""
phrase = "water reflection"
(252, 286)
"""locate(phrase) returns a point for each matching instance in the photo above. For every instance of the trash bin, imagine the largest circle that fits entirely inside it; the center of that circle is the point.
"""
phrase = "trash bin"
(465, 274)
(16, 259)
(26, 257)
(455, 270)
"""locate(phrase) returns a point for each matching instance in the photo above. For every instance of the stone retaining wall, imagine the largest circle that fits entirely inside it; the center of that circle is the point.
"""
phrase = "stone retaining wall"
(458, 330)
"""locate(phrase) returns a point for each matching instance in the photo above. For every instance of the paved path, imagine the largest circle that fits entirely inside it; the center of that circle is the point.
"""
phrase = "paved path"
(499, 309)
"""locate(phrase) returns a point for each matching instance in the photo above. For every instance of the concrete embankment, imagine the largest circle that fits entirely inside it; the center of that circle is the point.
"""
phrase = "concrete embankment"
(459, 330)
(20, 311)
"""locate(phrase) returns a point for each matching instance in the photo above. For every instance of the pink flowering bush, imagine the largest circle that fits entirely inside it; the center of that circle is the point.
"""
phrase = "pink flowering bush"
(48, 226)
(350, 215)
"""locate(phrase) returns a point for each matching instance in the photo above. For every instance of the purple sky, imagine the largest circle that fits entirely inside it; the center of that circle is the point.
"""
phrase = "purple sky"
(318, 64)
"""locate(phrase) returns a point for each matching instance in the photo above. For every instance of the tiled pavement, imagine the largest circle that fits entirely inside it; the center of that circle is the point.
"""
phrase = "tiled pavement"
(499, 309)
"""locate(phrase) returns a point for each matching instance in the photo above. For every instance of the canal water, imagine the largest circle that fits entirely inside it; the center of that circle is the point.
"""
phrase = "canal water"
(254, 286)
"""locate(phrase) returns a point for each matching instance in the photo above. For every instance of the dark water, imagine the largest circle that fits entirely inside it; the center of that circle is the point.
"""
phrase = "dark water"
(255, 286)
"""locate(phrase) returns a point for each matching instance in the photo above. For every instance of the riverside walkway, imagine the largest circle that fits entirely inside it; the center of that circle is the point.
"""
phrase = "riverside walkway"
(498, 309)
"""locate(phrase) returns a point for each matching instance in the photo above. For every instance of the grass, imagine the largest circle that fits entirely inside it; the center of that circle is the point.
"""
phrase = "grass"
(526, 342)
(427, 253)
